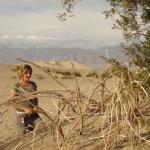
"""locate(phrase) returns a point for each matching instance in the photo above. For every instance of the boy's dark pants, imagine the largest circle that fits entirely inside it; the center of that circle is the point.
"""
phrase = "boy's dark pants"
(25, 122)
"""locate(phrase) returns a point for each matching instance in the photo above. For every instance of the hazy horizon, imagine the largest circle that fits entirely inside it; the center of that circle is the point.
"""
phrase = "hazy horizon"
(90, 57)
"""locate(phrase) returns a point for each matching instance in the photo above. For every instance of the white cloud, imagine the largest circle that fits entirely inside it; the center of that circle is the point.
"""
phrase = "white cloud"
(90, 27)
(30, 38)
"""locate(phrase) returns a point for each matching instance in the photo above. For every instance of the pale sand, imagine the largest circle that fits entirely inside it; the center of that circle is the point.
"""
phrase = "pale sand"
(8, 78)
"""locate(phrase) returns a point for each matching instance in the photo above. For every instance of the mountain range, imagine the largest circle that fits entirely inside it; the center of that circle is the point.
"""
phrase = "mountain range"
(88, 57)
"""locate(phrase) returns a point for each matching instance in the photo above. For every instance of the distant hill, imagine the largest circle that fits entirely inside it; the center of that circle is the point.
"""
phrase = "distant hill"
(84, 56)
(64, 65)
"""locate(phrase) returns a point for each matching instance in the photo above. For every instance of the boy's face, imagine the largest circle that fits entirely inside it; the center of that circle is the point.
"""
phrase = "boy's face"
(26, 75)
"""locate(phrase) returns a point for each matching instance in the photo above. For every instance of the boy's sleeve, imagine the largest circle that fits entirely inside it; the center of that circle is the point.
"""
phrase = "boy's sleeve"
(34, 86)
(15, 87)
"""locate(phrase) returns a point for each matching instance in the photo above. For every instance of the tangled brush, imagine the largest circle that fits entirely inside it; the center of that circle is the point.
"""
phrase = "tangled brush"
(112, 121)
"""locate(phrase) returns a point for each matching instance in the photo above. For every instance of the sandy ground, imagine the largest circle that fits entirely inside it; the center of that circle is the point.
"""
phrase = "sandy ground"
(44, 82)
(44, 138)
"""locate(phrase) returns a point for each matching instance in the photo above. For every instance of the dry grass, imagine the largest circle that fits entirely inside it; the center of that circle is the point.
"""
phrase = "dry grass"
(82, 122)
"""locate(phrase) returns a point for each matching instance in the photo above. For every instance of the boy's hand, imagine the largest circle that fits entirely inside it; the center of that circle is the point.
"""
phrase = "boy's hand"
(35, 109)
(28, 111)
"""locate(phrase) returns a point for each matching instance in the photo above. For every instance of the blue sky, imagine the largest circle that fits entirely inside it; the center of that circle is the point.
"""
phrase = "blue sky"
(34, 23)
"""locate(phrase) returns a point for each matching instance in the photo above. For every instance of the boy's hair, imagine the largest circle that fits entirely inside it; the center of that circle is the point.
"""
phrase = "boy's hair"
(20, 69)
(27, 67)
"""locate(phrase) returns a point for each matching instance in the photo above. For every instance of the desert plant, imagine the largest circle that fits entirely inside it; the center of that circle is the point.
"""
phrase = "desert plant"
(13, 69)
(39, 76)
(48, 70)
(66, 77)
(58, 72)
(91, 74)
(56, 76)
(66, 73)
(77, 74)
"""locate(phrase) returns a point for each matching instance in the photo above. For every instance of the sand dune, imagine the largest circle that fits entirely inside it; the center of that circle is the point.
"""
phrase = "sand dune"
(42, 63)
(68, 64)
(63, 64)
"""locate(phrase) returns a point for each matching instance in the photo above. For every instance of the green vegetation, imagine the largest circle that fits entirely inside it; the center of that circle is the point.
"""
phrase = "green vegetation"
(133, 18)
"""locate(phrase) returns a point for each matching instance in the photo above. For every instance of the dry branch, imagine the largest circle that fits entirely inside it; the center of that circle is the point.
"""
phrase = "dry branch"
(81, 122)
